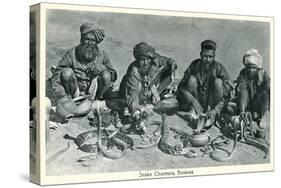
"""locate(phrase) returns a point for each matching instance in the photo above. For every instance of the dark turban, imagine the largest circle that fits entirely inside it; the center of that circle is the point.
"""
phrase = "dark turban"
(144, 50)
(208, 44)
(89, 27)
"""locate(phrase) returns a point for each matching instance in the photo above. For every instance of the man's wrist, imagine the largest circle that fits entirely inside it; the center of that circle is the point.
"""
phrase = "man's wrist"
(242, 109)
(216, 110)
(137, 112)
(136, 115)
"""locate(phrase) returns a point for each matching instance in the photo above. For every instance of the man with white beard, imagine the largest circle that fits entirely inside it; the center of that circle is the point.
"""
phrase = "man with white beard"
(253, 90)
(85, 69)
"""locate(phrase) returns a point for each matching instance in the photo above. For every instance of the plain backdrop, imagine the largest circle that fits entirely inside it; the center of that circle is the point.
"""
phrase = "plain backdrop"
(14, 63)
(175, 37)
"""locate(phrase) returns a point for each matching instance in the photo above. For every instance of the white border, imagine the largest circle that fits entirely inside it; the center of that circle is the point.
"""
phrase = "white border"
(44, 180)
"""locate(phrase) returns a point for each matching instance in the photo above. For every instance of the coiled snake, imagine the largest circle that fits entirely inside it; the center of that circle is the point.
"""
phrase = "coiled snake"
(105, 140)
(246, 124)
(235, 122)
(118, 141)
(246, 128)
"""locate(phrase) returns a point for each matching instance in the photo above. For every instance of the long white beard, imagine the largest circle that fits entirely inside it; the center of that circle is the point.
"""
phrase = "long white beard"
(88, 53)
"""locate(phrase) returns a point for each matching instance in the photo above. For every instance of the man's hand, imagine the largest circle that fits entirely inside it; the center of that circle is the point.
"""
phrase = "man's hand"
(140, 114)
(211, 114)
(155, 93)
(99, 68)
(243, 115)
(173, 65)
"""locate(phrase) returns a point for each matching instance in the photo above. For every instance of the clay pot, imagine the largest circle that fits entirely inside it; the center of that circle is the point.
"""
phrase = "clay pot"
(64, 111)
(67, 109)
(83, 109)
(199, 139)
(168, 106)
(261, 133)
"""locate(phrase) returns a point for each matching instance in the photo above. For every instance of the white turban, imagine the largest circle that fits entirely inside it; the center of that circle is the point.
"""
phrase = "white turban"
(253, 58)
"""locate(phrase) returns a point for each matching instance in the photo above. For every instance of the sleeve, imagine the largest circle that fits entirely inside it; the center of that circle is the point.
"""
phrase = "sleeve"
(182, 87)
(265, 84)
(168, 63)
(186, 75)
(106, 62)
(227, 87)
(132, 92)
(241, 82)
(242, 91)
(56, 85)
(224, 76)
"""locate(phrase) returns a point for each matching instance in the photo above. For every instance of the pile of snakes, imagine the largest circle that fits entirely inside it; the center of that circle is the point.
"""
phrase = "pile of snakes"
(108, 143)
(180, 148)
(114, 144)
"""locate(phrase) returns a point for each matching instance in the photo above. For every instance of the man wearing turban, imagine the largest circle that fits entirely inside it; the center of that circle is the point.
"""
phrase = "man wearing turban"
(253, 87)
(134, 87)
(85, 69)
(205, 86)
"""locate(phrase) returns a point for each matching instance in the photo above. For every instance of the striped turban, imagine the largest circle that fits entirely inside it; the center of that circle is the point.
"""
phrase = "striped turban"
(144, 50)
(89, 27)
(253, 58)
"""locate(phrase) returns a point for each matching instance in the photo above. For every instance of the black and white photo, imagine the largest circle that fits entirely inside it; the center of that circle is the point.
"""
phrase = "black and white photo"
(135, 94)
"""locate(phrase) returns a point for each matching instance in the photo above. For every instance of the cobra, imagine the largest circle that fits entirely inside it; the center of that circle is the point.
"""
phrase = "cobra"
(235, 122)
(245, 125)
(250, 139)
(98, 108)
(103, 137)
(177, 149)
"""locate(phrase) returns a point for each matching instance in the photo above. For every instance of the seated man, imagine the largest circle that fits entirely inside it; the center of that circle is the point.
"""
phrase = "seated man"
(205, 85)
(85, 69)
(253, 88)
(145, 79)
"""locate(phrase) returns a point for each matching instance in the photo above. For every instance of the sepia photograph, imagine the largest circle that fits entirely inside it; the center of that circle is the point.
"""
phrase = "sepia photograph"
(136, 94)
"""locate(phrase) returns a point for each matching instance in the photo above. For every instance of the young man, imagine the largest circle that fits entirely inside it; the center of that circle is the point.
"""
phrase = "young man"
(85, 69)
(141, 85)
(205, 85)
(253, 88)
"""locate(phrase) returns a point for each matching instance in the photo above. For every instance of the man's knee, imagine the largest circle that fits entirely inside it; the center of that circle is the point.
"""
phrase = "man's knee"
(216, 92)
(218, 84)
(192, 82)
(188, 92)
(218, 87)
(105, 76)
(263, 95)
(190, 87)
(263, 100)
(67, 74)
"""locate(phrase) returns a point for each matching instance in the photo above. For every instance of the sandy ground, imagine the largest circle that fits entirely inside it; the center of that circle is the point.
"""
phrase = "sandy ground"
(140, 159)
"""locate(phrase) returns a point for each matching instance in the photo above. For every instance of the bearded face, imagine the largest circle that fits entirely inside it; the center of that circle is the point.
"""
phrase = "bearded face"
(252, 72)
(88, 52)
(207, 56)
(88, 47)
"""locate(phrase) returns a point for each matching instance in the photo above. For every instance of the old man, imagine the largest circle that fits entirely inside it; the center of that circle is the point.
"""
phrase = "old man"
(253, 88)
(205, 86)
(85, 69)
